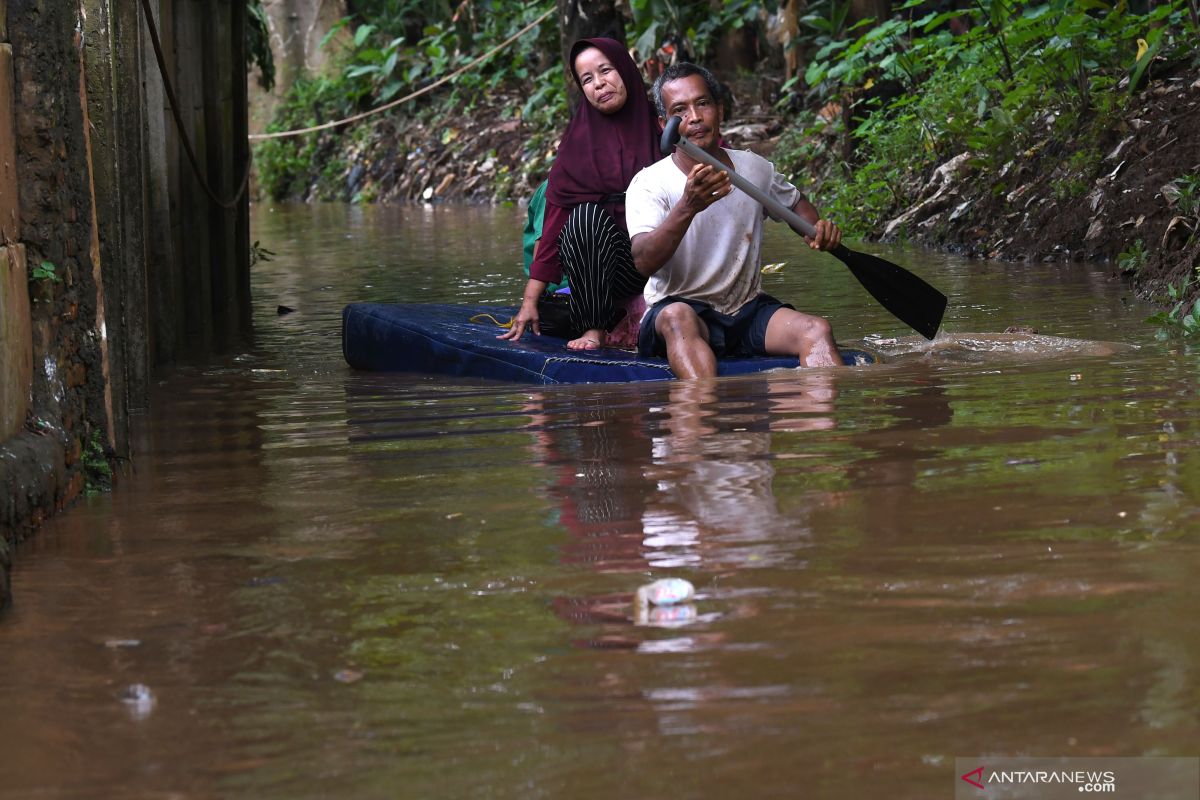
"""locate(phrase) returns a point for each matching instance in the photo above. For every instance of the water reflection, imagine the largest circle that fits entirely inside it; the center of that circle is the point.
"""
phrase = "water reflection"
(677, 477)
(674, 480)
(713, 465)
(892, 455)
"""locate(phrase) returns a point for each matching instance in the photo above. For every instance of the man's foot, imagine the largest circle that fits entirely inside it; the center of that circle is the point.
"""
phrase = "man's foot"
(591, 340)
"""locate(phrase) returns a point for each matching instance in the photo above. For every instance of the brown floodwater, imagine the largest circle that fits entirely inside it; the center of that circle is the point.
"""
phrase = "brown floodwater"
(313, 582)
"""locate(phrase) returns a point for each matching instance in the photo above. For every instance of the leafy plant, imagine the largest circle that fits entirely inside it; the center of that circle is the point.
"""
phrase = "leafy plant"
(696, 26)
(259, 253)
(1026, 72)
(45, 271)
(413, 44)
(97, 470)
(258, 44)
(284, 165)
(1188, 195)
(1077, 174)
(1183, 319)
(1131, 261)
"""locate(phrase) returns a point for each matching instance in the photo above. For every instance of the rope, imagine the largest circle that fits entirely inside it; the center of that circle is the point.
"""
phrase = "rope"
(481, 317)
(183, 137)
(355, 118)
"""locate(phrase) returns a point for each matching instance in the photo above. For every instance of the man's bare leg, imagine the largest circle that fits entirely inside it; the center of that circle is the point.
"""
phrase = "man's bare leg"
(686, 337)
(808, 337)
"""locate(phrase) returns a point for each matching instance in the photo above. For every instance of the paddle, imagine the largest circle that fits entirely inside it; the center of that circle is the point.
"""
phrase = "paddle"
(910, 299)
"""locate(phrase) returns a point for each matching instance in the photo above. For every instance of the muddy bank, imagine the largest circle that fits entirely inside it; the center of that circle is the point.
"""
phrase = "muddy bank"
(1059, 201)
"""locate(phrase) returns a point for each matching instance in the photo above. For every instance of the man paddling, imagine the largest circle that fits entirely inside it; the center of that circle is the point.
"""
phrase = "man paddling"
(698, 241)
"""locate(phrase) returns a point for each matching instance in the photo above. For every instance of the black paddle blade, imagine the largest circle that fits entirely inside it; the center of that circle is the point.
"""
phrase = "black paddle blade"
(910, 299)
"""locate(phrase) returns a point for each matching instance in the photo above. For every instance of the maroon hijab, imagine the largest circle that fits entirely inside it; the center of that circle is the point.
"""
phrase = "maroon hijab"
(600, 153)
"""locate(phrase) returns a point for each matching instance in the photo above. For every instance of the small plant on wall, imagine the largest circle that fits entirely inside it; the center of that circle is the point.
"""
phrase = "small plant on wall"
(45, 271)
(96, 468)
(41, 281)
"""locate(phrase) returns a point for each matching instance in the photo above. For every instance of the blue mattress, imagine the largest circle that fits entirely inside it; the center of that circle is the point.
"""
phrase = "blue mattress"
(442, 339)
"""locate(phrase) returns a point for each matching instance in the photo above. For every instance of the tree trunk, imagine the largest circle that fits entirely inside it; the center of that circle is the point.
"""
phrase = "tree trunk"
(879, 10)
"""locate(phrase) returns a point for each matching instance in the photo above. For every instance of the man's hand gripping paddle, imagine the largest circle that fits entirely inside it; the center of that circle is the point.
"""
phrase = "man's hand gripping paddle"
(910, 299)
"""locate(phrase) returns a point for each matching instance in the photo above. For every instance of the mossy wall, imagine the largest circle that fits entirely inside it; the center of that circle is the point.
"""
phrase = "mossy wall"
(102, 274)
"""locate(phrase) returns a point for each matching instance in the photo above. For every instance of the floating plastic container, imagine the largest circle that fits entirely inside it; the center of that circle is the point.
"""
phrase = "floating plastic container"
(665, 592)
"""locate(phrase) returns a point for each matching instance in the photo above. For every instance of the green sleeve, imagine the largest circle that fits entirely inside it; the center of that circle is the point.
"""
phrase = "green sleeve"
(533, 223)
(533, 231)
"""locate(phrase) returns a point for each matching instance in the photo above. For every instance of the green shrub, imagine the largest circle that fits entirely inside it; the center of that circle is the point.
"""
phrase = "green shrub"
(1131, 261)
(96, 469)
(1183, 318)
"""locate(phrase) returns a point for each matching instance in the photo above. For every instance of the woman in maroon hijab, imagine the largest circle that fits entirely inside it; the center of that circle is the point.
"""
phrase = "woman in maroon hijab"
(613, 134)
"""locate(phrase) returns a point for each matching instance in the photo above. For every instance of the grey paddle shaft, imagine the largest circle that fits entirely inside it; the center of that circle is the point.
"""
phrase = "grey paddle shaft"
(775, 208)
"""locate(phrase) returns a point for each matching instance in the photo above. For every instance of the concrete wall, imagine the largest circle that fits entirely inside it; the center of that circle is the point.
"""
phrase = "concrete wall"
(94, 181)
(14, 298)
(40, 462)
(16, 343)
(16, 350)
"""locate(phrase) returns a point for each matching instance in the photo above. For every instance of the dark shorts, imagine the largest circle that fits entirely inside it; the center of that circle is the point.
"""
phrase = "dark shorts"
(740, 335)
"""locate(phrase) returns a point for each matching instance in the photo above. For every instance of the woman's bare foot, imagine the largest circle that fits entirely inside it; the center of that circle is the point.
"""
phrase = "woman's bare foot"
(590, 340)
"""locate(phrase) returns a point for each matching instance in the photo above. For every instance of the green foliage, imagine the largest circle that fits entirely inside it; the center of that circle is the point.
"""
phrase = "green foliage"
(396, 48)
(391, 55)
(698, 26)
(45, 271)
(1183, 319)
(1131, 261)
(548, 103)
(97, 470)
(258, 44)
(1024, 72)
(1187, 200)
(1076, 175)
(285, 165)
(800, 146)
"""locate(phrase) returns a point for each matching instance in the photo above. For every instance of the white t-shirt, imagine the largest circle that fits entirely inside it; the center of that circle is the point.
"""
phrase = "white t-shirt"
(718, 260)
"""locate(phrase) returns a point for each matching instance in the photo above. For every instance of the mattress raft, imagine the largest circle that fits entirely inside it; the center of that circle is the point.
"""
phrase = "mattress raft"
(461, 340)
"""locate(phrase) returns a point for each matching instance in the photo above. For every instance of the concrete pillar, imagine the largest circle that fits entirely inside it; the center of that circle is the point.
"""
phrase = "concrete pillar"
(218, 129)
(16, 347)
(10, 214)
(16, 344)
(116, 111)
(164, 290)
(192, 206)
(239, 106)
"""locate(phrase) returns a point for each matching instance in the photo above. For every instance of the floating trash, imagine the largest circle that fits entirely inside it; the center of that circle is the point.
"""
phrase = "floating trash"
(665, 592)
(139, 699)
(347, 676)
(664, 603)
(114, 644)
(672, 616)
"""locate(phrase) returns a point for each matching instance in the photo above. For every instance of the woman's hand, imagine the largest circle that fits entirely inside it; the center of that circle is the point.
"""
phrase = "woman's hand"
(527, 317)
